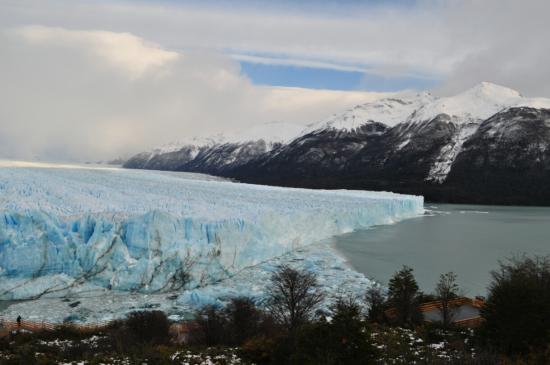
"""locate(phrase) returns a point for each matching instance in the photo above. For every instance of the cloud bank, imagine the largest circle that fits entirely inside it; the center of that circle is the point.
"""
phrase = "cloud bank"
(92, 95)
(97, 79)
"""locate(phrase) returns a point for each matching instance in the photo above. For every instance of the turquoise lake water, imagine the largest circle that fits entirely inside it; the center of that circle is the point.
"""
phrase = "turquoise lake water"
(466, 239)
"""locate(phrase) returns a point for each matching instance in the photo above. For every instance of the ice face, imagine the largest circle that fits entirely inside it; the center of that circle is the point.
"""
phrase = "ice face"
(151, 232)
(334, 276)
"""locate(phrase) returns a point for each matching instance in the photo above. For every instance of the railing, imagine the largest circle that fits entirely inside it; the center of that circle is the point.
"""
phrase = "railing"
(436, 305)
(47, 326)
(469, 322)
(429, 306)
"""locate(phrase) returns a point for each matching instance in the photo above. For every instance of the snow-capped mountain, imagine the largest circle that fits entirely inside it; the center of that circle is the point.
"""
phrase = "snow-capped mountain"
(216, 153)
(411, 144)
(475, 104)
(389, 111)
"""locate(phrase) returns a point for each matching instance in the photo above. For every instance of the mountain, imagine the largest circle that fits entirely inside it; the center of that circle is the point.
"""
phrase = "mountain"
(488, 144)
(219, 154)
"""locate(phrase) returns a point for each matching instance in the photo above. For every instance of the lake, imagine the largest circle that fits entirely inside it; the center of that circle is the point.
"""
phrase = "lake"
(466, 239)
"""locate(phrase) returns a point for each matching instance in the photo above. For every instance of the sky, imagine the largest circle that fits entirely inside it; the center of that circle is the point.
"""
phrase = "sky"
(87, 80)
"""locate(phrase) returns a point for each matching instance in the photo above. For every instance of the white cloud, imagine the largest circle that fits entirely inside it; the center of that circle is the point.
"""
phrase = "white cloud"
(459, 42)
(380, 39)
(125, 51)
(89, 95)
(101, 78)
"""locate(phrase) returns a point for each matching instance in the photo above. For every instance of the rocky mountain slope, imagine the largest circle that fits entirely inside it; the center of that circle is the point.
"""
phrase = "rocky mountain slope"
(219, 154)
(485, 145)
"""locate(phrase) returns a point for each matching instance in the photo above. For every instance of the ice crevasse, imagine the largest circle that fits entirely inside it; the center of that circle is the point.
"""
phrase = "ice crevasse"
(62, 228)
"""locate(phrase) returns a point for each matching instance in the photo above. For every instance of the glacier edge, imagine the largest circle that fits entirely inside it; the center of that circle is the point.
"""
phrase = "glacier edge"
(158, 252)
(80, 232)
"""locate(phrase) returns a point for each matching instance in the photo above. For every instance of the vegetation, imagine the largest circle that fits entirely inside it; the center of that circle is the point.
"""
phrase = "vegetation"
(291, 329)
(446, 291)
(345, 339)
(517, 310)
(293, 297)
(376, 303)
(403, 296)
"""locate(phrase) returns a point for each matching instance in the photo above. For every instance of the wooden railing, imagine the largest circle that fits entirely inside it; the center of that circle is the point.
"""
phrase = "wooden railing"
(34, 326)
(469, 322)
(436, 305)
(430, 306)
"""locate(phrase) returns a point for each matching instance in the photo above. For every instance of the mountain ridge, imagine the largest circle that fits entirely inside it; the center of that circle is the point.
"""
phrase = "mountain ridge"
(409, 144)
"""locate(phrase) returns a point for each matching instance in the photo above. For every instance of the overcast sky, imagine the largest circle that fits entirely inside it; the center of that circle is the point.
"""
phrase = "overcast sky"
(92, 80)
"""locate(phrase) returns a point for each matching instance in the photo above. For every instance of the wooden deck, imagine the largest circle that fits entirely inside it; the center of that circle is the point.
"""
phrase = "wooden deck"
(471, 321)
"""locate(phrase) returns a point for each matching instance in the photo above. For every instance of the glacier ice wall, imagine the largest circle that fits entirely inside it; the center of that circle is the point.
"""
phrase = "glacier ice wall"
(148, 232)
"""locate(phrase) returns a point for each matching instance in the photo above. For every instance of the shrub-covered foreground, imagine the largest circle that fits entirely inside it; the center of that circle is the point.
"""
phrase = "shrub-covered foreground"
(292, 329)
(316, 343)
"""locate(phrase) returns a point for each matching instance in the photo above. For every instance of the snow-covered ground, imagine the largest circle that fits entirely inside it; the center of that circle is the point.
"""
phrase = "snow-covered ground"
(119, 237)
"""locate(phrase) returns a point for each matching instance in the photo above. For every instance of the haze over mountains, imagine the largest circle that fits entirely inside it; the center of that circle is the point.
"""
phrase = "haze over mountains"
(487, 144)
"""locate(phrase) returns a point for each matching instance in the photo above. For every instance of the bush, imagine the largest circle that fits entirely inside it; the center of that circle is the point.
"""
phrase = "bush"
(259, 350)
(376, 303)
(517, 310)
(243, 320)
(231, 326)
(148, 327)
(342, 340)
(211, 327)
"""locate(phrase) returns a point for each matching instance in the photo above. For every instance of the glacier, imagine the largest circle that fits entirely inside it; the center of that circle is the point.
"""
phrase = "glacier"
(70, 229)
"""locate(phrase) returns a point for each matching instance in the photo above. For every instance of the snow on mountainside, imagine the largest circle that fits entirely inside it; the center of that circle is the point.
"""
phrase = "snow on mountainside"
(216, 154)
(271, 133)
(466, 110)
(412, 138)
(478, 103)
(473, 105)
(410, 116)
(191, 141)
(389, 111)
(65, 230)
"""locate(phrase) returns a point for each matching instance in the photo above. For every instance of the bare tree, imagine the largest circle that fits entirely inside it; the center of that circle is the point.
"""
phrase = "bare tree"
(446, 290)
(293, 296)
(376, 302)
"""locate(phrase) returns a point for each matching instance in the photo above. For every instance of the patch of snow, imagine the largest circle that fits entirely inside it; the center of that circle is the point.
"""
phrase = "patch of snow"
(442, 165)
(403, 144)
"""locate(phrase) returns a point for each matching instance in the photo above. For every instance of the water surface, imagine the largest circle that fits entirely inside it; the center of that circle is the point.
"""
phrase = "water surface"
(466, 239)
